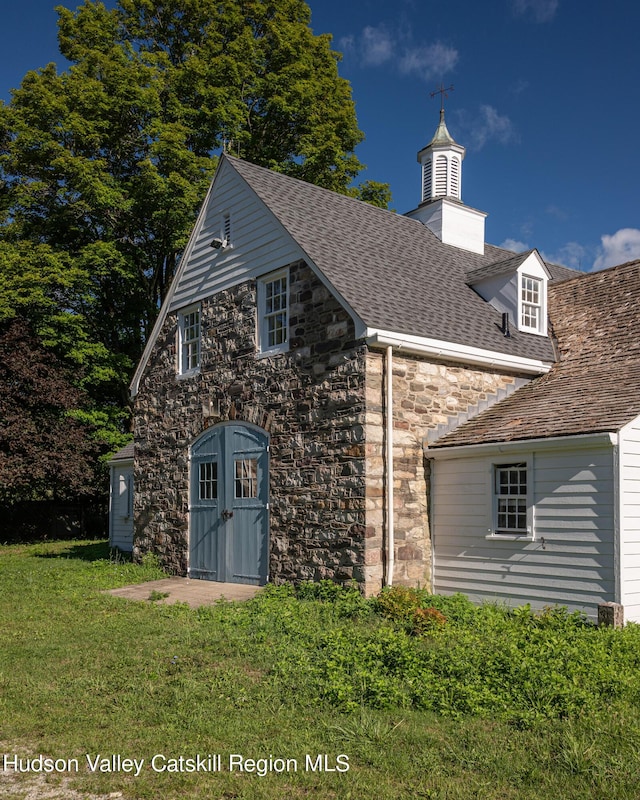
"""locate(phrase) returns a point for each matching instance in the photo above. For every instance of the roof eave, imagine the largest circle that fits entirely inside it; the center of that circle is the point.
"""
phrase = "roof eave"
(452, 351)
(571, 441)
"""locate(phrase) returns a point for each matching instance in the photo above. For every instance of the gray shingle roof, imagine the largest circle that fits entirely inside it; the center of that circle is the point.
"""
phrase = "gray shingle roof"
(505, 267)
(595, 386)
(124, 454)
(392, 270)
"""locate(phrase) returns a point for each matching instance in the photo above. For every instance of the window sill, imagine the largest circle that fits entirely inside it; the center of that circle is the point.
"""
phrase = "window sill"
(534, 331)
(275, 351)
(511, 537)
(189, 374)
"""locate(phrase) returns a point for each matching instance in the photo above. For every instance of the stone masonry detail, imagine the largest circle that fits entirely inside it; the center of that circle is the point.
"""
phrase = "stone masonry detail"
(310, 399)
(425, 395)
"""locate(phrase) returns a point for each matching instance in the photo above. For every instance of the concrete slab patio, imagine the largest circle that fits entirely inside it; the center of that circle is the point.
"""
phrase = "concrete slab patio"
(184, 590)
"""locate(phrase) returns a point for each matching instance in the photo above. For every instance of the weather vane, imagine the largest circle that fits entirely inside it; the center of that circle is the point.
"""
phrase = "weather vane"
(443, 93)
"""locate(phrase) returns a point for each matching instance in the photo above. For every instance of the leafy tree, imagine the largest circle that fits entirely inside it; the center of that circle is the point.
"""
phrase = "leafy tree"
(52, 296)
(118, 150)
(103, 166)
(45, 452)
(374, 193)
(102, 169)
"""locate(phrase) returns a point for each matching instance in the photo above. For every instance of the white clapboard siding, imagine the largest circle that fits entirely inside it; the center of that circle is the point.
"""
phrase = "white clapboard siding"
(571, 559)
(629, 519)
(259, 243)
(121, 506)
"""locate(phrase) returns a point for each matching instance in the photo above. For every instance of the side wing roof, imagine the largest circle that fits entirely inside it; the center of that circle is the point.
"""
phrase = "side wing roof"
(595, 385)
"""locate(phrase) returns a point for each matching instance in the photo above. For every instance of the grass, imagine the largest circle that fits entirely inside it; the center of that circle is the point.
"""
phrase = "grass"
(403, 694)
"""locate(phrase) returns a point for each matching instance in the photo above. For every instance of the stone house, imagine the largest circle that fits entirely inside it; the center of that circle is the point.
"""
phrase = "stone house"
(308, 348)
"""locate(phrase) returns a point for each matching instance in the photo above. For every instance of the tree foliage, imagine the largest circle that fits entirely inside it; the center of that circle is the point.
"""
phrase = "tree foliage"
(45, 452)
(119, 149)
(103, 165)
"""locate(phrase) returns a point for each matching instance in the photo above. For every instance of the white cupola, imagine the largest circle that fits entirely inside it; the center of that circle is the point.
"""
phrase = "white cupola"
(441, 163)
(441, 208)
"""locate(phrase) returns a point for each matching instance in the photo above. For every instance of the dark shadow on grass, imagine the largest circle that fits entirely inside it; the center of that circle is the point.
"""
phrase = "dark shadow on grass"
(93, 551)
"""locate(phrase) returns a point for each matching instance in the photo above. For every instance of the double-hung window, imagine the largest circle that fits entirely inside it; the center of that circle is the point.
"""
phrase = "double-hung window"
(531, 304)
(189, 340)
(512, 499)
(273, 312)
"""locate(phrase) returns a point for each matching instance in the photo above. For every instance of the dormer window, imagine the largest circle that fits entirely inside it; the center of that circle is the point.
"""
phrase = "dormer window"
(530, 304)
(516, 286)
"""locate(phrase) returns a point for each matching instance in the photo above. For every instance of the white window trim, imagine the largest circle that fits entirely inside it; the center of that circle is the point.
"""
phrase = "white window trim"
(262, 331)
(180, 343)
(541, 330)
(494, 533)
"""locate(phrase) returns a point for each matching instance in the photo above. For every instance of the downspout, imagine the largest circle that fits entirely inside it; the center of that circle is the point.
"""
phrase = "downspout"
(389, 468)
(619, 596)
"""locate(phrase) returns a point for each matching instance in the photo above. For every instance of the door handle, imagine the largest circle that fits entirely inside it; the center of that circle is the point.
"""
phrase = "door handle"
(226, 514)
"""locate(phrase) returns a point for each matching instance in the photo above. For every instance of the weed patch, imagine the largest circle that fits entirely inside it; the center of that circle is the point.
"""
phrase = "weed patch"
(472, 702)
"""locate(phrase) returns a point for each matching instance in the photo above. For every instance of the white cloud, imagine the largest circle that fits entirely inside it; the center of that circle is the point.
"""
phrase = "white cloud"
(426, 62)
(571, 254)
(376, 46)
(520, 86)
(489, 126)
(540, 10)
(515, 245)
(622, 246)
(557, 212)
(347, 44)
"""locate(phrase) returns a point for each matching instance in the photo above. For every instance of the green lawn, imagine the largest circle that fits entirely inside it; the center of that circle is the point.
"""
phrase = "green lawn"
(481, 705)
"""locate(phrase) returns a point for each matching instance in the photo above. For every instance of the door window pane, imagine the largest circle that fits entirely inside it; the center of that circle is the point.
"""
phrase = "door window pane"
(246, 483)
(208, 480)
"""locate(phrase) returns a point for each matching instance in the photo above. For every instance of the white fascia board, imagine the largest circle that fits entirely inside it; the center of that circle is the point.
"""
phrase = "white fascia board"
(581, 441)
(162, 314)
(450, 351)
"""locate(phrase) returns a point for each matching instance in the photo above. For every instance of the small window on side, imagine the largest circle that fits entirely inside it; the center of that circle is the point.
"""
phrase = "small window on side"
(512, 499)
(189, 340)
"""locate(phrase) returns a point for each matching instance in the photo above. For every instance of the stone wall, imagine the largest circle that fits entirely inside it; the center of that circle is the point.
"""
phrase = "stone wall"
(425, 395)
(311, 401)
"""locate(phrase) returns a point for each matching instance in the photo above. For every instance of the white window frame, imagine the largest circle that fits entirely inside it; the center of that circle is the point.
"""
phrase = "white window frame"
(189, 344)
(265, 314)
(526, 302)
(502, 533)
(125, 494)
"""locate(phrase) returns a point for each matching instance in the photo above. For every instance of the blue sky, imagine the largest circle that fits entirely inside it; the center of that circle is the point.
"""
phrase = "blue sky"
(546, 101)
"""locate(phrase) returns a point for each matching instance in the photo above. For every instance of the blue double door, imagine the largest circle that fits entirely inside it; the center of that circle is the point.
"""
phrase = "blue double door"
(229, 524)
